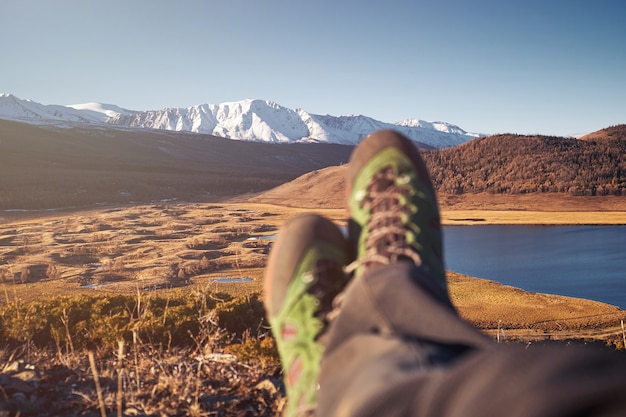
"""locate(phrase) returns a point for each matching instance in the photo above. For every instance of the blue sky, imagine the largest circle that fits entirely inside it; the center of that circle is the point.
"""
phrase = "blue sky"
(553, 67)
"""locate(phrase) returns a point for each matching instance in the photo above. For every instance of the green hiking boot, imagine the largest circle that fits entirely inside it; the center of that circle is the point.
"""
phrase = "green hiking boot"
(393, 206)
(304, 273)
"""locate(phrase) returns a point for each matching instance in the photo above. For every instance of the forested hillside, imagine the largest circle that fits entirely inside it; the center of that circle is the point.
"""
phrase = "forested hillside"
(526, 164)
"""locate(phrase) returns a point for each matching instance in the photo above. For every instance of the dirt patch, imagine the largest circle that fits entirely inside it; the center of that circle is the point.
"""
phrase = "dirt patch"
(73, 259)
(209, 244)
(7, 241)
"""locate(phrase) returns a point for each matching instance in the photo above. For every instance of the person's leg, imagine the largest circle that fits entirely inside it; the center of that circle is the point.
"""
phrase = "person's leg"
(397, 346)
(396, 322)
(395, 350)
(304, 273)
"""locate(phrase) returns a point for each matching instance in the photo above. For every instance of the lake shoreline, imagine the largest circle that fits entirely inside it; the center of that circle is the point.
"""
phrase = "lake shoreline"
(574, 260)
(524, 217)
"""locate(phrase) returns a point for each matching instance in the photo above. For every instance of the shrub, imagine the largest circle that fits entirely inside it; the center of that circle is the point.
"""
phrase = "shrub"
(180, 319)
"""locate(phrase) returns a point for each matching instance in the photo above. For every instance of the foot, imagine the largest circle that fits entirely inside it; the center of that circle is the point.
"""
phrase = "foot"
(393, 207)
(304, 273)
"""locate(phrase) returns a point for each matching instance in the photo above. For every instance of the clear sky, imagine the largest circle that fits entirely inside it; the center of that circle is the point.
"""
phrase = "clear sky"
(553, 67)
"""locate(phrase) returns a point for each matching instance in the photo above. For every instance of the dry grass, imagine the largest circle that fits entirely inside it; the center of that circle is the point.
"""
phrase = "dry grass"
(540, 202)
(142, 381)
(471, 217)
(191, 353)
(122, 250)
(161, 248)
(532, 316)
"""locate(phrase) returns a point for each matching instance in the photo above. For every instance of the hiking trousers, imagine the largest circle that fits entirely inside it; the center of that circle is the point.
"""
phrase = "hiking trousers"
(399, 348)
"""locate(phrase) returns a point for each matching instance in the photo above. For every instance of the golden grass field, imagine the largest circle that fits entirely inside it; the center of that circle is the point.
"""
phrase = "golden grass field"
(469, 217)
(166, 247)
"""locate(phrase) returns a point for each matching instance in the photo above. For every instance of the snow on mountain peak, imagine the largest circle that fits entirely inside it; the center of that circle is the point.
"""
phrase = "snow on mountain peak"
(108, 110)
(249, 119)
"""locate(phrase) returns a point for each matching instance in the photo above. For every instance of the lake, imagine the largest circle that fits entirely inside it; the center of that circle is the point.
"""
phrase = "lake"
(577, 261)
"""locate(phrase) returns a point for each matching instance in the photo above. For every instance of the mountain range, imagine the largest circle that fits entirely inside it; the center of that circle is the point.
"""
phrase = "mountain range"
(249, 120)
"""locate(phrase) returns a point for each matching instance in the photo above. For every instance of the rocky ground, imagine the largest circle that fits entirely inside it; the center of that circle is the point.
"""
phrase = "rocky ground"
(144, 383)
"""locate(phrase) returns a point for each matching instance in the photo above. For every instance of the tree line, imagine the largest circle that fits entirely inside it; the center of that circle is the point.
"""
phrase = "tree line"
(515, 164)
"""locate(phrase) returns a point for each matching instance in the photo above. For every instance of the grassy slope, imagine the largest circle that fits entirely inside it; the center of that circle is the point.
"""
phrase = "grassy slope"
(325, 189)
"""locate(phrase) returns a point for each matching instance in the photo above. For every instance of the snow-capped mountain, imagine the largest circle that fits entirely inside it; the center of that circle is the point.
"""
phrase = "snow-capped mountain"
(13, 108)
(254, 120)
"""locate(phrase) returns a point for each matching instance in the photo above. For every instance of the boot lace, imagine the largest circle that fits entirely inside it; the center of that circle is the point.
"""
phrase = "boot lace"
(386, 242)
(326, 291)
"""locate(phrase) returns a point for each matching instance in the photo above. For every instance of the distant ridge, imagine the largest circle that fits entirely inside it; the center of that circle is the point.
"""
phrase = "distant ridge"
(617, 132)
(251, 120)
(45, 167)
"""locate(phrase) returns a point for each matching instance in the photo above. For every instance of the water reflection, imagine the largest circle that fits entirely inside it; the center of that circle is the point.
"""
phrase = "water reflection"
(578, 261)
(231, 280)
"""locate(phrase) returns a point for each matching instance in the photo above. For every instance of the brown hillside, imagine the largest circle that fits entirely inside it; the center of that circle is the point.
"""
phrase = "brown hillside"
(324, 188)
(512, 164)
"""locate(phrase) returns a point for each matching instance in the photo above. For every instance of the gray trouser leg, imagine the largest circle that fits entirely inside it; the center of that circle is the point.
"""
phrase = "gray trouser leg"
(398, 348)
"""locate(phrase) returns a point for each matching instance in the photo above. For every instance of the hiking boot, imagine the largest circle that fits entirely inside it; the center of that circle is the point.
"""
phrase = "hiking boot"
(393, 207)
(304, 273)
